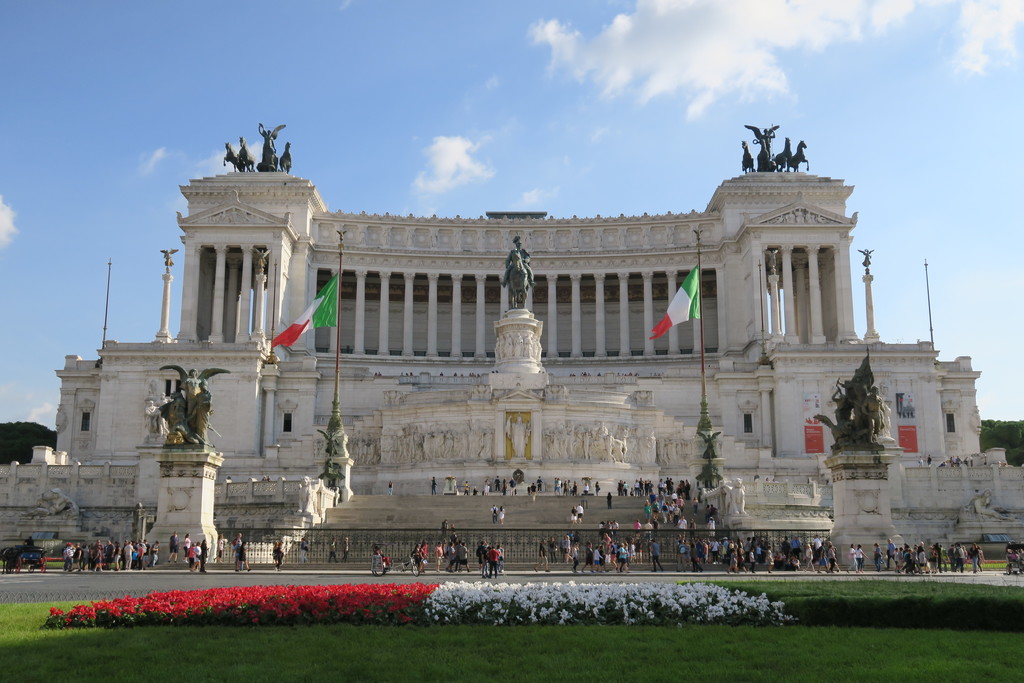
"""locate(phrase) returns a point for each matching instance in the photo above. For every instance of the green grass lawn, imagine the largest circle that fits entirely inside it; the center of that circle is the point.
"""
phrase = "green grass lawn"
(573, 653)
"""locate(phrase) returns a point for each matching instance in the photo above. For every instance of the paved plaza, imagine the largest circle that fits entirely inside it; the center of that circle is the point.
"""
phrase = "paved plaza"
(58, 586)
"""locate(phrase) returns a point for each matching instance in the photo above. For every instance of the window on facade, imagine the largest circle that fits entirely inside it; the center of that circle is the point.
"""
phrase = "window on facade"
(950, 423)
(748, 423)
(287, 427)
(86, 420)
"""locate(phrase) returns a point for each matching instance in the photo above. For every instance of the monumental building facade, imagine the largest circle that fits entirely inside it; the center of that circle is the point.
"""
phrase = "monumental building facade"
(424, 391)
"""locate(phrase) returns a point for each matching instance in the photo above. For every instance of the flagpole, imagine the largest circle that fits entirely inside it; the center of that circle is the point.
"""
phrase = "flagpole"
(928, 290)
(764, 360)
(272, 358)
(336, 440)
(106, 306)
(709, 473)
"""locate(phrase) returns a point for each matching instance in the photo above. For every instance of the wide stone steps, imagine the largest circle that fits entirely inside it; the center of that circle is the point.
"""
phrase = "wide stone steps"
(474, 512)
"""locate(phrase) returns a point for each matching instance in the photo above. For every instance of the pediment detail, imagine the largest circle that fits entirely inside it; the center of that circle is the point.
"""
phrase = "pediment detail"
(234, 213)
(801, 214)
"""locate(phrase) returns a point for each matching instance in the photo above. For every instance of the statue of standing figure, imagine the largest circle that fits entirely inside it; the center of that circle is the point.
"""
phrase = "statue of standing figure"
(763, 138)
(518, 431)
(269, 161)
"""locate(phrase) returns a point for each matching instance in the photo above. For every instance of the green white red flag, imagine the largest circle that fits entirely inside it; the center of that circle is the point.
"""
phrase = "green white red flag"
(323, 312)
(685, 305)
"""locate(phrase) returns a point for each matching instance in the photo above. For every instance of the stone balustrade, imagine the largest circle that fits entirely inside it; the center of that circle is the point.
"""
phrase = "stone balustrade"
(104, 485)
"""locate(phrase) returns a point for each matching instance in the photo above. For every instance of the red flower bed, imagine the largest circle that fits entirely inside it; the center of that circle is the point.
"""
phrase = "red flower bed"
(254, 606)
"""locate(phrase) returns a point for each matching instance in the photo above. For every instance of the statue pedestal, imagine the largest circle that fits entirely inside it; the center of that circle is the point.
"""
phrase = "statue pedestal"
(185, 501)
(861, 499)
(517, 347)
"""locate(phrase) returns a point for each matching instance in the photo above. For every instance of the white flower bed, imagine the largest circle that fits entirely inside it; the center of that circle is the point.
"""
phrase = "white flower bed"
(605, 603)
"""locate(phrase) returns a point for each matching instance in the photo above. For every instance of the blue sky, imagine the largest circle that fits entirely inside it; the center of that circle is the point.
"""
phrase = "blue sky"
(457, 108)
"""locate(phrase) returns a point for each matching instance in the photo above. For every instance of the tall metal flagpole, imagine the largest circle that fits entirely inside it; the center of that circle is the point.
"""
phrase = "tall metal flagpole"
(336, 440)
(106, 306)
(928, 290)
(709, 473)
(764, 360)
(272, 358)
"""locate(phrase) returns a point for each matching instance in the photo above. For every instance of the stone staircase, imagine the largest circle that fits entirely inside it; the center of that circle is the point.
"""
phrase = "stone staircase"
(548, 511)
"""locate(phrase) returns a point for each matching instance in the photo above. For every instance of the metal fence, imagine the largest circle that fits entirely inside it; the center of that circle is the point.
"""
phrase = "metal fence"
(520, 546)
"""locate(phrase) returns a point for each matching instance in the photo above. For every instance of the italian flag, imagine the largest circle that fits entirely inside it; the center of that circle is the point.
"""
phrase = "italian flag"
(685, 305)
(323, 312)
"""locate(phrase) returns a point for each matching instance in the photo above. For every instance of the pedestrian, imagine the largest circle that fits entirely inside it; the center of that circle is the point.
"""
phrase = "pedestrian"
(501, 514)
(542, 558)
(303, 550)
(391, 488)
(344, 550)
(172, 548)
(332, 556)
(278, 555)
(433, 486)
(656, 557)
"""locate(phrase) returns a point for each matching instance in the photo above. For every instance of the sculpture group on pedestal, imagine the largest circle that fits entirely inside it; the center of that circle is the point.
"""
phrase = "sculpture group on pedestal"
(243, 160)
(188, 411)
(786, 160)
(861, 413)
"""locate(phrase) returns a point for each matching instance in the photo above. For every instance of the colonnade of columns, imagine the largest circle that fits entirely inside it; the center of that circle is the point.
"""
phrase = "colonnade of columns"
(808, 305)
(227, 303)
(444, 315)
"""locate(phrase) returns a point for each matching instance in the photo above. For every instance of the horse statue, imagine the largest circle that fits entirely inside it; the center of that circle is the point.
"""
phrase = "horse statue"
(748, 160)
(246, 162)
(798, 158)
(231, 158)
(517, 280)
(286, 158)
(783, 157)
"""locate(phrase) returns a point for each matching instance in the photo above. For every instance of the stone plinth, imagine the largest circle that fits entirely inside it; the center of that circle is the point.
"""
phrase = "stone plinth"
(861, 499)
(186, 492)
(517, 347)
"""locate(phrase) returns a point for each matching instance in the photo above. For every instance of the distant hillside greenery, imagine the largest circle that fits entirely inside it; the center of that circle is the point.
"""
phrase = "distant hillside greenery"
(1008, 435)
(18, 438)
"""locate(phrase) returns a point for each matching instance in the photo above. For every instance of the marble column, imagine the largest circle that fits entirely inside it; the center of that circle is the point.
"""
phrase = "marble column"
(384, 320)
(164, 333)
(190, 294)
(529, 299)
(871, 335)
(456, 347)
(577, 317)
(789, 291)
(503, 306)
(359, 326)
(481, 301)
(624, 349)
(844, 291)
(720, 307)
(432, 315)
(552, 316)
(259, 318)
(767, 437)
(600, 349)
(648, 277)
(274, 289)
(673, 332)
(243, 328)
(776, 306)
(231, 300)
(217, 319)
(817, 333)
(407, 349)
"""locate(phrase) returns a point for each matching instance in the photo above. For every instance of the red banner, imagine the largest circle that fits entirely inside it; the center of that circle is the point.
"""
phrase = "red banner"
(908, 438)
(814, 439)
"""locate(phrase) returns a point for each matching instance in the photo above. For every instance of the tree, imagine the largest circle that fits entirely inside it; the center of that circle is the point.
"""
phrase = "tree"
(1004, 434)
(18, 438)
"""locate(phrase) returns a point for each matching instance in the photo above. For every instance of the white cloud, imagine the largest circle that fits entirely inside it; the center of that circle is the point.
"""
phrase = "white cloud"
(536, 196)
(450, 164)
(708, 49)
(7, 229)
(491, 83)
(213, 165)
(988, 26)
(598, 133)
(148, 164)
(43, 414)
